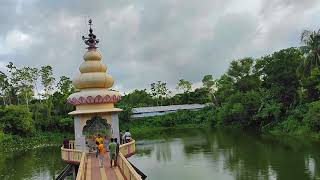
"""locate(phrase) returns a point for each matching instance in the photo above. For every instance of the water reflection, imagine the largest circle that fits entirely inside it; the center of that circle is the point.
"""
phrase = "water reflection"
(41, 163)
(163, 151)
(208, 154)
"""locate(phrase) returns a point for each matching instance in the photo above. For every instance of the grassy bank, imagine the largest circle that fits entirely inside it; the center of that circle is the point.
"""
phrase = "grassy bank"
(16, 143)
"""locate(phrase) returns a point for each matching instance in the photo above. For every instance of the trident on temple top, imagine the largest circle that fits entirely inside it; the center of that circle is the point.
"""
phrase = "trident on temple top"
(91, 41)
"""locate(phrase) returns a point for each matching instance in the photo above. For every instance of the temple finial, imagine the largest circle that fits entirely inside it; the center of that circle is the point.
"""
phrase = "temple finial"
(91, 41)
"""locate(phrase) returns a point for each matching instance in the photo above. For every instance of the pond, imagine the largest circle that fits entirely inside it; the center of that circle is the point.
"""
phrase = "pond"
(39, 164)
(188, 154)
(209, 154)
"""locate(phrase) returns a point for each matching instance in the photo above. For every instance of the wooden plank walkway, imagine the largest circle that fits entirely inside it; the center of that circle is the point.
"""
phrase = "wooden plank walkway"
(94, 172)
(89, 164)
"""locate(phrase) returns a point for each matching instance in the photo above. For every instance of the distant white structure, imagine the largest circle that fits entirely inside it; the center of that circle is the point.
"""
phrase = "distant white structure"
(161, 110)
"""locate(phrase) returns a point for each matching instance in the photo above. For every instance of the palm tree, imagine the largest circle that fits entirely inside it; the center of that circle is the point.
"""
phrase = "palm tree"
(311, 40)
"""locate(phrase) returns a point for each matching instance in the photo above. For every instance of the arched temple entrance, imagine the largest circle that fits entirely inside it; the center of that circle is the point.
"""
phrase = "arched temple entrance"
(96, 125)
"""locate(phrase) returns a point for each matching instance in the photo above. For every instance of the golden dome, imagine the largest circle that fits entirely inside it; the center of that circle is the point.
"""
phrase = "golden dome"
(93, 72)
(92, 66)
(92, 56)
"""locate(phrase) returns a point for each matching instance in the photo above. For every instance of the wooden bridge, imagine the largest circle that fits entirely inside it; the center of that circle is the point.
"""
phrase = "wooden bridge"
(88, 165)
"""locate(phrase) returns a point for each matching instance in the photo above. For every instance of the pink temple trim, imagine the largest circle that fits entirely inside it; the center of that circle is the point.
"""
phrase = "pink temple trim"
(94, 100)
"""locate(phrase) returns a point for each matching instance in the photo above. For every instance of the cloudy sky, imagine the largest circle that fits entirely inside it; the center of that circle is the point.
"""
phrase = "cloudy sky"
(143, 41)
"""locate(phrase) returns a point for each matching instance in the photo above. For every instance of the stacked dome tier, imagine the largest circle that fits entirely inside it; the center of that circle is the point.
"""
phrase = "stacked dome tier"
(93, 82)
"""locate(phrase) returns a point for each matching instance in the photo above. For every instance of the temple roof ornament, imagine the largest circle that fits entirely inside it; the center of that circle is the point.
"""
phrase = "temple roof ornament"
(93, 82)
(92, 40)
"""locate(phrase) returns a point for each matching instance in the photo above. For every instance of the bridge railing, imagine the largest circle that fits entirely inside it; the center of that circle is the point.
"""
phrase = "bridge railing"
(126, 150)
(71, 144)
(127, 170)
(82, 167)
(71, 156)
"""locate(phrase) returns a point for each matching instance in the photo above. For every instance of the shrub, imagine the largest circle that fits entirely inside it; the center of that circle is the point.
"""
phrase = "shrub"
(17, 120)
(312, 118)
(65, 124)
(239, 109)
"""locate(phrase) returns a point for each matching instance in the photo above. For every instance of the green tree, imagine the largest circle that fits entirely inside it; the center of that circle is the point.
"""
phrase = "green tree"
(159, 91)
(208, 82)
(312, 118)
(22, 82)
(14, 84)
(184, 85)
(278, 74)
(311, 86)
(65, 86)
(311, 40)
(137, 98)
(125, 115)
(225, 88)
(27, 78)
(239, 109)
(209, 85)
(17, 120)
(4, 87)
(47, 80)
(242, 73)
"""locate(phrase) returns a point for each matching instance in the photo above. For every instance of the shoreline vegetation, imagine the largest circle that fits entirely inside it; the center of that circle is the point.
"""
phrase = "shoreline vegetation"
(277, 93)
(11, 143)
(149, 127)
(154, 127)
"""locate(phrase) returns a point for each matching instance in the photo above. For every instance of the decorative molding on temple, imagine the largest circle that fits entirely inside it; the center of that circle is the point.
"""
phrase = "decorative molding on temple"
(94, 100)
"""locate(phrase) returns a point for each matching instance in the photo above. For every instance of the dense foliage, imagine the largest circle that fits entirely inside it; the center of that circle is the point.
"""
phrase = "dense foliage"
(277, 93)
(26, 111)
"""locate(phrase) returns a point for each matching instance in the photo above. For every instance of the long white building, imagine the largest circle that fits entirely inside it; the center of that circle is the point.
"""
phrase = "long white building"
(161, 110)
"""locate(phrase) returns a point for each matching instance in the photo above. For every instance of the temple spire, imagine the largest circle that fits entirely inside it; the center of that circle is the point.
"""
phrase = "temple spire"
(91, 40)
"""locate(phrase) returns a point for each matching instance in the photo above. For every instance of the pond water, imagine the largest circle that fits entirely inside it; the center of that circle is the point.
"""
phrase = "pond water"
(40, 164)
(208, 154)
(187, 154)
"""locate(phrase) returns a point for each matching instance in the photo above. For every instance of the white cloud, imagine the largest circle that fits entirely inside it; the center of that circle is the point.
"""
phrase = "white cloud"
(16, 40)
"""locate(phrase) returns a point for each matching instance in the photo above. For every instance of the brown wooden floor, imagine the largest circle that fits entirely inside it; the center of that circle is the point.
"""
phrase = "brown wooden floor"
(94, 172)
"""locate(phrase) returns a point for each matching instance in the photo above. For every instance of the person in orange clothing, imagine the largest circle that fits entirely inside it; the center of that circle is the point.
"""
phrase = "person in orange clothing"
(101, 154)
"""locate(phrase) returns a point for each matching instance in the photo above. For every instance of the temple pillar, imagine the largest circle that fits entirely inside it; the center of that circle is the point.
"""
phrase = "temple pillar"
(115, 126)
(80, 140)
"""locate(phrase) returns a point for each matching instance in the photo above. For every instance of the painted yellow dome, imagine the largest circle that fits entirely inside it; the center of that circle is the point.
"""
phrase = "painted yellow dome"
(93, 72)
(92, 56)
